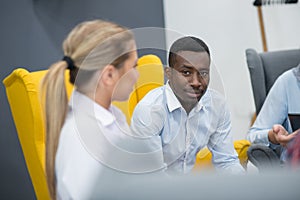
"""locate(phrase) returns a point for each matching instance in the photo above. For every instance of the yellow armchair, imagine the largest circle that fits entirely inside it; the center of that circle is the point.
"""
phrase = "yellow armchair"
(204, 156)
(22, 90)
(23, 93)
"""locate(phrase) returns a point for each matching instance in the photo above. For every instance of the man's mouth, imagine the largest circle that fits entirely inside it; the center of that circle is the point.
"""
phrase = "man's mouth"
(193, 93)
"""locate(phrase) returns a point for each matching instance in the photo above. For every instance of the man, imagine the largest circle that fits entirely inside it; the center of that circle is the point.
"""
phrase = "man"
(183, 116)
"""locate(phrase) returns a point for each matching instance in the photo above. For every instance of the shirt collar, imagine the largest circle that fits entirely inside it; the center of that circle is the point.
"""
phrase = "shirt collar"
(199, 105)
(173, 103)
(81, 102)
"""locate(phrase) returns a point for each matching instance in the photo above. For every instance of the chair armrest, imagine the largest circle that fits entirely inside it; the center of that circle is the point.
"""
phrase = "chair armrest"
(204, 156)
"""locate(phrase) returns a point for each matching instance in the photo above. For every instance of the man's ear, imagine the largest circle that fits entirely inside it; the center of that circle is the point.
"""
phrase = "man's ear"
(109, 75)
(168, 71)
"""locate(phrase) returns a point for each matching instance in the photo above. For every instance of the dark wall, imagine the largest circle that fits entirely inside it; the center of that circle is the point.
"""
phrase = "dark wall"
(31, 35)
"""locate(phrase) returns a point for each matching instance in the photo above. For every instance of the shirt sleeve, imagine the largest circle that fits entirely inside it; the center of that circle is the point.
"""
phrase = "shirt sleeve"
(146, 124)
(147, 120)
(273, 111)
(220, 144)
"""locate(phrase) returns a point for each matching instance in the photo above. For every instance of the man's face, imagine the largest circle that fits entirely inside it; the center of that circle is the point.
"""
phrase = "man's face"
(189, 76)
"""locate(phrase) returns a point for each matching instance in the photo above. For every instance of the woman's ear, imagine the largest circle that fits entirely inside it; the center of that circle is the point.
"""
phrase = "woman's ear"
(109, 75)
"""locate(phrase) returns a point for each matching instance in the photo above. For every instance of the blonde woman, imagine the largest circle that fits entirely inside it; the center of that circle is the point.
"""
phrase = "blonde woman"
(88, 140)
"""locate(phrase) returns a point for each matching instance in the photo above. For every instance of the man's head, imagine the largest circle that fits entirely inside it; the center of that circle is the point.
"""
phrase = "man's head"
(188, 71)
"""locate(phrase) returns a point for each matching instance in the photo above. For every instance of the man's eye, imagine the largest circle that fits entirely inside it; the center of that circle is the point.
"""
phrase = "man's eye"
(204, 74)
(185, 72)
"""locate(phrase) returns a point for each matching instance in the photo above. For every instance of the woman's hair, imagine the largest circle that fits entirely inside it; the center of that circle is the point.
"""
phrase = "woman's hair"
(89, 47)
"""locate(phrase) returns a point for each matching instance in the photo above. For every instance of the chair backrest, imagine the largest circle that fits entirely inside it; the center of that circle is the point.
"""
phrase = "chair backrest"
(265, 68)
(23, 93)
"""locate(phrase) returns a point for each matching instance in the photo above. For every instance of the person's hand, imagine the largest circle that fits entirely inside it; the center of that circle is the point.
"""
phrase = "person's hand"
(293, 151)
(278, 135)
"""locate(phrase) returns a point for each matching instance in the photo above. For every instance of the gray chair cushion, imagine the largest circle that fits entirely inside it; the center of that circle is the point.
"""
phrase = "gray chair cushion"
(263, 157)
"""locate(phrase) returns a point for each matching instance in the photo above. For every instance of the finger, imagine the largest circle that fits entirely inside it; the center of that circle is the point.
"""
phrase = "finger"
(295, 132)
(277, 128)
(283, 139)
(292, 135)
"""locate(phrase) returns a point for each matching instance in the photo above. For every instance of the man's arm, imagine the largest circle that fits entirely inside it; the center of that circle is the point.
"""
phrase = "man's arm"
(147, 120)
(221, 145)
(147, 123)
(274, 111)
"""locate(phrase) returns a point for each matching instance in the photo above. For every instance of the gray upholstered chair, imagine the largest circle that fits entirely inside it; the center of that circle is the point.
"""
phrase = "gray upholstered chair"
(264, 69)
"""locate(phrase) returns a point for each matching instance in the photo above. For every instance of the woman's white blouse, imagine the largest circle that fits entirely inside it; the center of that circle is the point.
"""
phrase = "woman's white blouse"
(96, 147)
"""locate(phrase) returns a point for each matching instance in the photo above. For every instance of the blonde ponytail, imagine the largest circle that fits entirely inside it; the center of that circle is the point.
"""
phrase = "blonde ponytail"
(56, 104)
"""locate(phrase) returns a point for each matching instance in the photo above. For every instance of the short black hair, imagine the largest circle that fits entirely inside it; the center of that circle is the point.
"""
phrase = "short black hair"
(187, 43)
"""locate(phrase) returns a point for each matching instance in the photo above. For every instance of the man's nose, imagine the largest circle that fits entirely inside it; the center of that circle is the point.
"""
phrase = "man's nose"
(196, 80)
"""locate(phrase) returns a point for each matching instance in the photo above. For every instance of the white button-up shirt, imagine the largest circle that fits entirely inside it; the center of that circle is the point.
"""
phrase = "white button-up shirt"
(96, 147)
(182, 135)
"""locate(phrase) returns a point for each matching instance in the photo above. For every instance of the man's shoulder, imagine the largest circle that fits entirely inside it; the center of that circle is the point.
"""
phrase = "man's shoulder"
(153, 101)
(154, 95)
(213, 96)
(214, 103)
(286, 81)
(286, 76)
